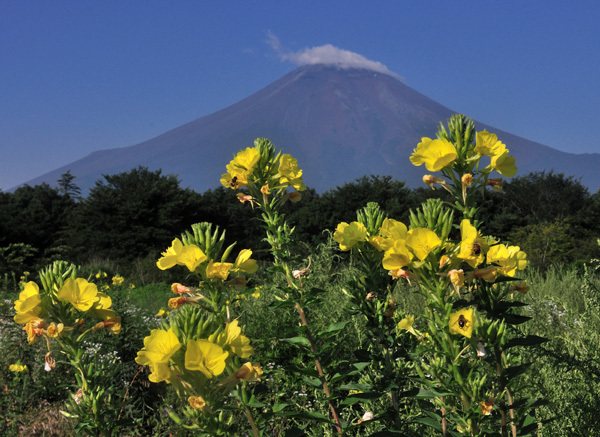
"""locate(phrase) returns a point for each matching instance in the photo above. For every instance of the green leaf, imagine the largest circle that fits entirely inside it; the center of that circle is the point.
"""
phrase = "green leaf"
(529, 340)
(513, 372)
(515, 319)
(299, 341)
(280, 407)
(313, 382)
(356, 386)
(334, 328)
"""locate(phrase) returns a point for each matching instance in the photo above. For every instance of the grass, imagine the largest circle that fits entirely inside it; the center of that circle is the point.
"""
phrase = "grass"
(564, 304)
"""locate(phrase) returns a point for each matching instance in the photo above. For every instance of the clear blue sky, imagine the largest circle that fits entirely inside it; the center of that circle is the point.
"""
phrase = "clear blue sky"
(79, 76)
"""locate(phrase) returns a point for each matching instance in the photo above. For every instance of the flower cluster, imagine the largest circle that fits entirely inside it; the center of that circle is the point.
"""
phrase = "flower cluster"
(257, 166)
(199, 346)
(65, 310)
(169, 359)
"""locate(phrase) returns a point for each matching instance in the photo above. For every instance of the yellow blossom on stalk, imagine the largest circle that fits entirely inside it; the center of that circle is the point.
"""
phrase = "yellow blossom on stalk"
(218, 270)
(34, 328)
(161, 313)
(397, 256)
(205, 356)
(235, 179)
(435, 154)
(430, 180)
(197, 402)
(17, 368)
(245, 263)
(249, 372)
(467, 179)
(117, 280)
(422, 241)
(189, 255)
(393, 229)
(390, 231)
(509, 259)
(406, 323)
(401, 273)
(488, 274)
(245, 198)
(457, 278)
(54, 330)
(178, 288)
(79, 293)
(27, 307)
(176, 302)
(486, 408)
(158, 349)
(472, 246)
(461, 322)
(347, 235)
(488, 144)
(290, 173)
(233, 340)
(245, 159)
(504, 164)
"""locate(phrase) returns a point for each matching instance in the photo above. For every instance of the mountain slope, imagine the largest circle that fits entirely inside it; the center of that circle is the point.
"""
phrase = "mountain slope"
(339, 123)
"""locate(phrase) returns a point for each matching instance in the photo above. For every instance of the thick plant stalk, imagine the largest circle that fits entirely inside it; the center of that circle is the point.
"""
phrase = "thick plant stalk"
(313, 349)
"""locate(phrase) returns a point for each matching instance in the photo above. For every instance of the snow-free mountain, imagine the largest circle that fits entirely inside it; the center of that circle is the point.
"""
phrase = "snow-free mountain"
(341, 123)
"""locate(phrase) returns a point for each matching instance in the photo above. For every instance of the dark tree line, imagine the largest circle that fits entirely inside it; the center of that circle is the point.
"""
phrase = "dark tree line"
(136, 214)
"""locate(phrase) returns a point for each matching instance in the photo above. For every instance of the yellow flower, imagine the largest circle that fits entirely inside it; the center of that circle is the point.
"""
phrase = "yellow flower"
(461, 322)
(79, 293)
(397, 256)
(422, 241)
(205, 356)
(488, 144)
(504, 164)
(240, 168)
(158, 349)
(435, 154)
(33, 328)
(218, 270)
(509, 259)
(245, 263)
(161, 313)
(17, 368)
(406, 323)
(472, 246)
(291, 175)
(489, 273)
(233, 340)
(54, 330)
(348, 235)
(457, 277)
(467, 179)
(197, 402)
(118, 280)
(189, 255)
(486, 407)
(245, 159)
(27, 307)
(249, 372)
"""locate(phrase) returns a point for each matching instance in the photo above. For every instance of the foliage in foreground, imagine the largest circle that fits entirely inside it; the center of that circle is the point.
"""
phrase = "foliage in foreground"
(409, 330)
